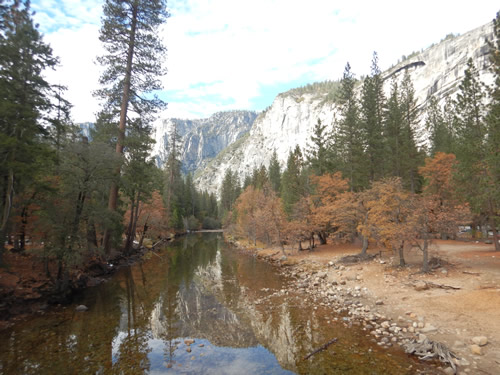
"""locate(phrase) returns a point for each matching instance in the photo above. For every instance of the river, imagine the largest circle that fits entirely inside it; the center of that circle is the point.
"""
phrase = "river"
(236, 308)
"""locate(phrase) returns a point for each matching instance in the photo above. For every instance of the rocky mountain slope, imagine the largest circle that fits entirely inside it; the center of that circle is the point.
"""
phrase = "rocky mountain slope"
(201, 140)
(436, 71)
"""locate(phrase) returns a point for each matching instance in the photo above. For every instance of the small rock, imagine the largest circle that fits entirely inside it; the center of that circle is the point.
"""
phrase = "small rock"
(480, 340)
(476, 349)
(458, 344)
(449, 371)
(188, 349)
(201, 345)
(379, 302)
(189, 341)
(420, 285)
(428, 328)
(81, 308)
(193, 358)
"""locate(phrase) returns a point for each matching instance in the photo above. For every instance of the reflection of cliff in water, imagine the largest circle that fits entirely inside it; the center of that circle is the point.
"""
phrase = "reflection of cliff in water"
(195, 309)
(217, 302)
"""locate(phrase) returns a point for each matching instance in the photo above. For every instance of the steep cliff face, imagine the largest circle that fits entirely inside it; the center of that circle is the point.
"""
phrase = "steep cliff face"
(436, 71)
(202, 140)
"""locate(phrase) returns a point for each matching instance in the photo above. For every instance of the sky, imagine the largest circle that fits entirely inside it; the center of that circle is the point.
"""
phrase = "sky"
(240, 54)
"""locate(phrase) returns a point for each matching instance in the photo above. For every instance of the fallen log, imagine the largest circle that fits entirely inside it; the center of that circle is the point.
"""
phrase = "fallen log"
(471, 273)
(320, 349)
(427, 349)
(441, 286)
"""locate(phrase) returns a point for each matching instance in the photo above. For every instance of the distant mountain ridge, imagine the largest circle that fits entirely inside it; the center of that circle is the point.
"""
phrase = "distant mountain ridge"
(203, 139)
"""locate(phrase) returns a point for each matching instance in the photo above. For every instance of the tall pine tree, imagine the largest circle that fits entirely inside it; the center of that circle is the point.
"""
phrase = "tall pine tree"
(275, 172)
(350, 135)
(412, 158)
(493, 131)
(319, 152)
(372, 118)
(440, 134)
(24, 103)
(133, 62)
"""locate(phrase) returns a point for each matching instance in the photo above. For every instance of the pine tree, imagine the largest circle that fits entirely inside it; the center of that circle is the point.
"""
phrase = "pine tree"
(275, 172)
(470, 129)
(133, 62)
(372, 118)
(174, 184)
(439, 130)
(412, 158)
(227, 192)
(469, 113)
(24, 103)
(350, 136)
(291, 183)
(394, 135)
(493, 131)
(319, 152)
(138, 173)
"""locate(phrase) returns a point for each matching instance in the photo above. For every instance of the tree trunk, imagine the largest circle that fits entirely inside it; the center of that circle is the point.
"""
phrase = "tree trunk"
(425, 260)
(91, 236)
(128, 242)
(136, 216)
(144, 230)
(9, 196)
(364, 249)
(402, 262)
(495, 234)
(322, 238)
(113, 193)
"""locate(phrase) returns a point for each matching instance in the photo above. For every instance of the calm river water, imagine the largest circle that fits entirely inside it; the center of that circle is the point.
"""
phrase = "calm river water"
(198, 288)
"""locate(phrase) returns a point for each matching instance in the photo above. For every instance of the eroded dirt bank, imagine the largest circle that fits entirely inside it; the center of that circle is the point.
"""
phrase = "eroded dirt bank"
(457, 304)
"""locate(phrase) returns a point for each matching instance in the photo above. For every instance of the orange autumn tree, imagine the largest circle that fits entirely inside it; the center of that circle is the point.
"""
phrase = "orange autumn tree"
(246, 208)
(273, 219)
(437, 210)
(302, 224)
(329, 188)
(389, 208)
(152, 221)
(259, 215)
(438, 174)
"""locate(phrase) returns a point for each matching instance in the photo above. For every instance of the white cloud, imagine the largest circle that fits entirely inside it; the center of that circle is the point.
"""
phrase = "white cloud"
(223, 54)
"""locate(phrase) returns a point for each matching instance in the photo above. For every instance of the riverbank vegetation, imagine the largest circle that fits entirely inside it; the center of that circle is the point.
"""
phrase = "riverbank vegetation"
(379, 178)
(70, 200)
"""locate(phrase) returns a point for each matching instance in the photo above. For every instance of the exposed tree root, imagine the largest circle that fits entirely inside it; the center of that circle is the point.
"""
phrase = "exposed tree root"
(428, 349)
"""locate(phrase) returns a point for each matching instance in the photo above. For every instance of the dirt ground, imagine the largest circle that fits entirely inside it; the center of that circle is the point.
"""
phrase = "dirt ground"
(457, 315)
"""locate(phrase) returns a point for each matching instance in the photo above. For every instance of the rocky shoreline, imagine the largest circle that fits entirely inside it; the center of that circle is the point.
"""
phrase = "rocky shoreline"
(343, 289)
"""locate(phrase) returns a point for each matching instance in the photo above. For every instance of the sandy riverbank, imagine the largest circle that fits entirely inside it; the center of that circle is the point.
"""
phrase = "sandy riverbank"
(454, 305)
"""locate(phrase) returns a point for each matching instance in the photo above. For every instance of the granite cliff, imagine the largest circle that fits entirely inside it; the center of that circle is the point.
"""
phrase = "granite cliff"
(289, 121)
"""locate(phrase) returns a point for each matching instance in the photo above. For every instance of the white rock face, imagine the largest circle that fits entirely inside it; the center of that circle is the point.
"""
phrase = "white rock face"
(290, 120)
